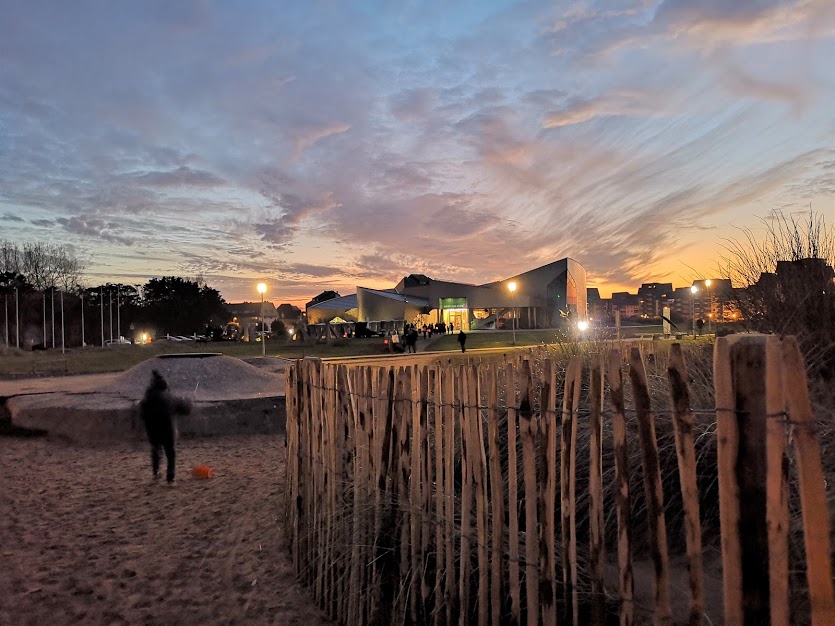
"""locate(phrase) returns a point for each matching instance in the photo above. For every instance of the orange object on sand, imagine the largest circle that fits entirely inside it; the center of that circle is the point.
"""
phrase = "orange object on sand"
(202, 471)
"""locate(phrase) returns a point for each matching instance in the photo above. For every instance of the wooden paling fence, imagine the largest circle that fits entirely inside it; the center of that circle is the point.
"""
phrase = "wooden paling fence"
(448, 494)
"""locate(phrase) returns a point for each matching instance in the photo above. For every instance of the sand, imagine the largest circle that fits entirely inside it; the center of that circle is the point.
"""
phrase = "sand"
(87, 537)
(210, 378)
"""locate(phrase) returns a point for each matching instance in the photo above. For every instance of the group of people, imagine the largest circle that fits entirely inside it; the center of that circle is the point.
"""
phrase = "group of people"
(411, 333)
(438, 328)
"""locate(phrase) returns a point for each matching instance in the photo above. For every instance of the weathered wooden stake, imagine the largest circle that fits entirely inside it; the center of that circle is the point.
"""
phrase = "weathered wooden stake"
(739, 377)
(652, 486)
(496, 498)
(596, 529)
(513, 498)
(685, 451)
(528, 431)
(812, 487)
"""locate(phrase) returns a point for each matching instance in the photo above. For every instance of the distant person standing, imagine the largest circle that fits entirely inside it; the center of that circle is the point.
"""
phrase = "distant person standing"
(462, 339)
(158, 409)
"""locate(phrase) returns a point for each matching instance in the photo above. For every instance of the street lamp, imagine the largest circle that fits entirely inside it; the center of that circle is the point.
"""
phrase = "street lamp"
(262, 288)
(512, 286)
(693, 291)
(709, 306)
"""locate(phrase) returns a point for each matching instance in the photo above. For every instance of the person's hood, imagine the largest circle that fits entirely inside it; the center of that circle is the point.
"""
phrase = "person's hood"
(158, 383)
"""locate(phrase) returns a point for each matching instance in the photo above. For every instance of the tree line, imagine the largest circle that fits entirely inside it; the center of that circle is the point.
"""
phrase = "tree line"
(46, 303)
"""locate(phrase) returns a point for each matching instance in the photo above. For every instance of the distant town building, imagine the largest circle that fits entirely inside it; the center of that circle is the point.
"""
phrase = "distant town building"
(322, 297)
(248, 316)
(288, 313)
(629, 304)
(654, 297)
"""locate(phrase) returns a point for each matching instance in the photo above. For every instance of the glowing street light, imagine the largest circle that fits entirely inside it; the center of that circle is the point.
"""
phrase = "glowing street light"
(693, 291)
(262, 289)
(512, 286)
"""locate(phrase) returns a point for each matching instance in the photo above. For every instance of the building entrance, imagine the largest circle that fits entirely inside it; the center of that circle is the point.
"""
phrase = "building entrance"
(458, 319)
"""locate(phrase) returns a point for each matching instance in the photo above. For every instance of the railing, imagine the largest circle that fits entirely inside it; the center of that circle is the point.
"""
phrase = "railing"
(449, 493)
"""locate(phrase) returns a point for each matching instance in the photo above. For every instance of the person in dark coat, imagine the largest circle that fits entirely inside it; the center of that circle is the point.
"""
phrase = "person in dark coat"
(462, 339)
(158, 410)
(411, 340)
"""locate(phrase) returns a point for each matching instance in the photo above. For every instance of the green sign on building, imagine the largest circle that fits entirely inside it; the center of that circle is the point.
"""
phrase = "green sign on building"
(452, 303)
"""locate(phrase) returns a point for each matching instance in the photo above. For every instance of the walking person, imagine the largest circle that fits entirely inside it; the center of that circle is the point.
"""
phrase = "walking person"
(462, 339)
(158, 410)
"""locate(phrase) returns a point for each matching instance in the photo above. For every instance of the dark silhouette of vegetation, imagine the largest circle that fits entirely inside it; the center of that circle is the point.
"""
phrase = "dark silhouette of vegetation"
(787, 278)
(178, 306)
(278, 329)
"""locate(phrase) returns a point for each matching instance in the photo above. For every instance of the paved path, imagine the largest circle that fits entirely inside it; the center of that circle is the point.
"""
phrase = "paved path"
(51, 384)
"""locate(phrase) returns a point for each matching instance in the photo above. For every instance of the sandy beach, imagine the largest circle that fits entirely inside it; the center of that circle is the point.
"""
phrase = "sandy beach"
(87, 537)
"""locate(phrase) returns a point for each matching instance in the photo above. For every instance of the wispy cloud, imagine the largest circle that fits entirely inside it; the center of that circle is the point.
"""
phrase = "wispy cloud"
(323, 145)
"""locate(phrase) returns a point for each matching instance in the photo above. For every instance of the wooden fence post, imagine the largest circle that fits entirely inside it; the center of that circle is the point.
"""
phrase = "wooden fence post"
(466, 497)
(777, 483)
(496, 497)
(414, 493)
(740, 380)
(568, 485)
(596, 529)
(622, 498)
(440, 499)
(527, 431)
(448, 388)
(403, 414)
(513, 497)
(685, 451)
(652, 486)
(812, 488)
(427, 380)
(479, 464)
(293, 502)
(548, 492)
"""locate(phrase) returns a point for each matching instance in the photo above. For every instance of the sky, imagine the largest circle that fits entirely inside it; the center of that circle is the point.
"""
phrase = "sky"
(321, 145)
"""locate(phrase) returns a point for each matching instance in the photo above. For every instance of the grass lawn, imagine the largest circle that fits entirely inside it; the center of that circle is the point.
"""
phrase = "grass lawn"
(494, 340)
(119, 358)
(18, 363)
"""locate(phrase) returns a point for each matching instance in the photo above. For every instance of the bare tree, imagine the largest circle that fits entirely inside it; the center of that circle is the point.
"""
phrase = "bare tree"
(46, 267)
(11, 258)
(787, 285)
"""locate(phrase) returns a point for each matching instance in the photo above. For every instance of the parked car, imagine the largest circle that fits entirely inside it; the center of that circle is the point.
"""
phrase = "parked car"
(121, 341)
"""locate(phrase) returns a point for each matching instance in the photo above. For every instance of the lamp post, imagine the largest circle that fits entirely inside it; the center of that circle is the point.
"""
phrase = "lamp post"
(17, 318)
(709, 306)
(512, 286)
(101, 294)
(693, 291)
(110, 309)
(262, 289)
(63, 346)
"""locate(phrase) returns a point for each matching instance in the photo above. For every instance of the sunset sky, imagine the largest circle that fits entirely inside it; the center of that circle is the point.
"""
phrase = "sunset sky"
(324, 144)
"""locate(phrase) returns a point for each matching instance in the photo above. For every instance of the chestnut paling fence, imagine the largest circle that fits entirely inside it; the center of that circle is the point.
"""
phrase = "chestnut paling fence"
(449, 493)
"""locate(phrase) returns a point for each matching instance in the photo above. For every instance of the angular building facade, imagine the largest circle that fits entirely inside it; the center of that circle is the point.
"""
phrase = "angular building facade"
(545, 297)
